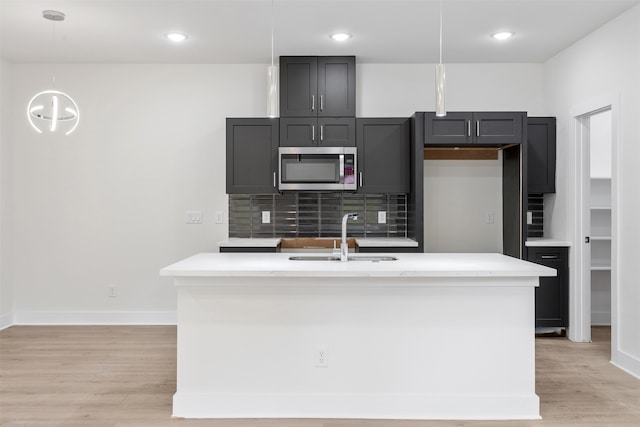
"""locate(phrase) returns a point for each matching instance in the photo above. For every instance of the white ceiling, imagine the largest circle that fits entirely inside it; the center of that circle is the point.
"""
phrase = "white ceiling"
(238, 31)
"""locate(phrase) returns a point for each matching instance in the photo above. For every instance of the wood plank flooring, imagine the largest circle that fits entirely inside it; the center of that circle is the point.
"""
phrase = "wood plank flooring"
(124, 376)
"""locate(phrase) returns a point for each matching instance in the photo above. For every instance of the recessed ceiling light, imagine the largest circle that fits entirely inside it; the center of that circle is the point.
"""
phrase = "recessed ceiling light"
(340, 37)
(502, 35)
(177, 37)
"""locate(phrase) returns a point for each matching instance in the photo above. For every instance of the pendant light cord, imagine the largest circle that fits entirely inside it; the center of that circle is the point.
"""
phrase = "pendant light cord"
(440, 32)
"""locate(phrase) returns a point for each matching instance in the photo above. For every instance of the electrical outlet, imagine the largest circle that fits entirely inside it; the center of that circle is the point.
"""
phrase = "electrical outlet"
(193, 217)
(382, 217)
(266, 217)
(529, 217)
(322, 358)
(113, 291)
(219, 217)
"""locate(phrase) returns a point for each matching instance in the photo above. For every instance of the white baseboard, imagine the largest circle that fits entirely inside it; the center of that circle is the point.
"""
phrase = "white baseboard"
(94, 318)
(6, 320)
(625, 361)
(359, 406)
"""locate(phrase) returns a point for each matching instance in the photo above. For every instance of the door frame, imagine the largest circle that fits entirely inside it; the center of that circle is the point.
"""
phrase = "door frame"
(579, 181)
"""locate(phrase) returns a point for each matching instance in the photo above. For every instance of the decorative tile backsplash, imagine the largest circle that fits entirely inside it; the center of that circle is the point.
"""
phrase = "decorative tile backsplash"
(316, 214)
(536, 207)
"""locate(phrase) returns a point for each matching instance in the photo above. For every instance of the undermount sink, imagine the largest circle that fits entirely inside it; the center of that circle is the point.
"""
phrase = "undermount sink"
(372, 258)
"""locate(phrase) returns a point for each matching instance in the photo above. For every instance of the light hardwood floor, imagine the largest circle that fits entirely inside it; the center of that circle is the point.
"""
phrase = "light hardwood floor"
(103, 376)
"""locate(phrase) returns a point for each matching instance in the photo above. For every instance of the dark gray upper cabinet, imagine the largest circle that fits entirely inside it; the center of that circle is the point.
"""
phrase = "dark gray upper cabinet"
(384, 155)
(317, 132)
(483, 128)
(541, 154)
(317, 86)
(252, 156)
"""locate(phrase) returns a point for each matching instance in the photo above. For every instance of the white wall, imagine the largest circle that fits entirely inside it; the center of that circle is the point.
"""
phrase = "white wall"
(605, 63)
(105, 205)
(6, 296)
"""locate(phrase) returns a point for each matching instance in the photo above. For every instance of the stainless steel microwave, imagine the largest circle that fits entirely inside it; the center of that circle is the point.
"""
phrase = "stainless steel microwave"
(317, 168)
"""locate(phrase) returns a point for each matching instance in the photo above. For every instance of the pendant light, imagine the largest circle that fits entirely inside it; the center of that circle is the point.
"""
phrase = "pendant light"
(53, 110)
(441, 110)
(272, 78)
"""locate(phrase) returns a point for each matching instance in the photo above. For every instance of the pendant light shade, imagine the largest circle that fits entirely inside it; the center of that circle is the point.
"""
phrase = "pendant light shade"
(53, 110)
(272, 78)
(441, 109)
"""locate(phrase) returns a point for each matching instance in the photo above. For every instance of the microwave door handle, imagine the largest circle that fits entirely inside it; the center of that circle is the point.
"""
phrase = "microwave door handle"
(341, 168)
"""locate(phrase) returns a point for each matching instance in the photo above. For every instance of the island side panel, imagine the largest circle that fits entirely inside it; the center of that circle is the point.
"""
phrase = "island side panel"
(247, 348)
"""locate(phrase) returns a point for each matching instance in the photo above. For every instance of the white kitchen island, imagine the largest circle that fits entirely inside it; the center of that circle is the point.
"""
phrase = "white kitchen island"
(428, 336)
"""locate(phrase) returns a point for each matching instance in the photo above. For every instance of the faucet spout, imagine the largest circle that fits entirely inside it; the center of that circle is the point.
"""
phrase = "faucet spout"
(344, 247)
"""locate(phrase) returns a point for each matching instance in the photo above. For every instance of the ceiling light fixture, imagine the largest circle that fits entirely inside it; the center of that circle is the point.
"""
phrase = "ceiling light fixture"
(502, 35)
(272, 77)
(441, 110)
(340, 37)
(177, 37)
(51, 109)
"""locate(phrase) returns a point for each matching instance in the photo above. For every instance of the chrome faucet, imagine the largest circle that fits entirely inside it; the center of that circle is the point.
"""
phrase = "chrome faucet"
(344, 247)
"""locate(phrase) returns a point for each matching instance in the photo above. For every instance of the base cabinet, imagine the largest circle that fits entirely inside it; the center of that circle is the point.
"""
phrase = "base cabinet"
(552, 296)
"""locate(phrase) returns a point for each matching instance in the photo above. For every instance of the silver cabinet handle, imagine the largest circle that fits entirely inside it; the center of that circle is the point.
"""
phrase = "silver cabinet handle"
(469, 128)
(360, 174)
(549, 256)
(321, 133)
(313, 103)
(313, 132)
(477, 127)
(274, 180)
(321, 103)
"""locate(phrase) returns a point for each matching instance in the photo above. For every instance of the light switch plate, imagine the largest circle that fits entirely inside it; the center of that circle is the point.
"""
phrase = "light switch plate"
(266, 217)
(193, 217)
(489, 217)
(382, 217)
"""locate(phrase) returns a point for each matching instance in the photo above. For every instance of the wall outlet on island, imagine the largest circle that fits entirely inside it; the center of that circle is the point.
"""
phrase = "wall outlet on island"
(382, 217)
(219, 217)
(266, 217)
(112, 291)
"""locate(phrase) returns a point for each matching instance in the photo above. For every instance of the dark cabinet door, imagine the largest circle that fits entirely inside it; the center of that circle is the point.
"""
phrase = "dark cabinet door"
(498, 128)
(312, 132)
(298, 132)
(541, 154)
(552, 296)
(384, 156)
(251, 157)
(323, 86)
(461, 128)
(452, 129)
(337, 132)
(336, 86)
(298, 86)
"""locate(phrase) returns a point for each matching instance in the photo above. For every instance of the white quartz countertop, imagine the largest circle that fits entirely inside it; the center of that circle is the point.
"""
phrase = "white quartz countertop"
(407, 265)
(238, 242)
(391, 242)
(543, 242)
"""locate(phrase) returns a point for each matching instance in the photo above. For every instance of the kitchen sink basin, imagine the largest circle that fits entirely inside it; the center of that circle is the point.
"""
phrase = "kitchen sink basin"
(371, 258)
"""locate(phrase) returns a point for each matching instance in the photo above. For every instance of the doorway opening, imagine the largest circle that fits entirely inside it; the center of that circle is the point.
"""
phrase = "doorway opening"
(594, 287)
